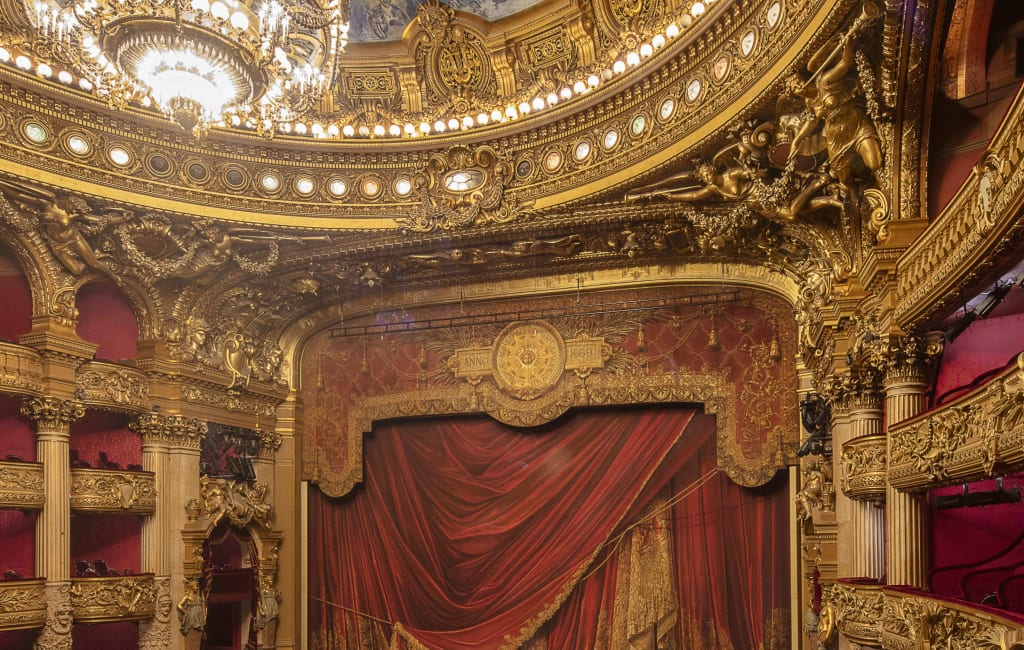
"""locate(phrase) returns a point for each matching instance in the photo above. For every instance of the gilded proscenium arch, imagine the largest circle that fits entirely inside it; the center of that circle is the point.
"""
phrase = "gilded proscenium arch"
(271, 211)
(706, 388)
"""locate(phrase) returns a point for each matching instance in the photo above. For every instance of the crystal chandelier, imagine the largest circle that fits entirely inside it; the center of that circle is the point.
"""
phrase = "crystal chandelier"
(202, 63)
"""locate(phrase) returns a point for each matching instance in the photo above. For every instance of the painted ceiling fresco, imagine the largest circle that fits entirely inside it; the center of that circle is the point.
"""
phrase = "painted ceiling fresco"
(385, 20)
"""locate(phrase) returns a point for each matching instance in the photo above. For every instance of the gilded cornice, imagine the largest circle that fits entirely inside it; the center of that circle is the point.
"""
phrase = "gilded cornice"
(964, 440)
(728, 77)
(973, 234)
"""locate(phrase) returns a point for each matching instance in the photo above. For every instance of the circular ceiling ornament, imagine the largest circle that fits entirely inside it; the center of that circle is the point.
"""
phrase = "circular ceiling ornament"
(529, 359)
(77, 144)
(35, 132)
(120, 156)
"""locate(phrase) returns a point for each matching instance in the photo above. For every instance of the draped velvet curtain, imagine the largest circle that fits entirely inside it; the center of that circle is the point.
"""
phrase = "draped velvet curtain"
(470, 534)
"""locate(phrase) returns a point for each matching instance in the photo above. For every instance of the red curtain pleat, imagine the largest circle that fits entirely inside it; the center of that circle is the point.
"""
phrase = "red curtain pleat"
(471, 534)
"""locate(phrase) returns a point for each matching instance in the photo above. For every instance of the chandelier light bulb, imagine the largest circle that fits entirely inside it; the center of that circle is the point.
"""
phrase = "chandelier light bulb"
(619, 67)
(566, 92)
(483, 118)
(632, 59)
(467, 122)
(537, 104)
(333, 131)
(672, 30)
(524, 108)
(658, 41)
(378, 130)
(394, 130)
(424, 128)
(348, 131)
(646, 50)
(496, 115)
(23, 62)
(453, 123)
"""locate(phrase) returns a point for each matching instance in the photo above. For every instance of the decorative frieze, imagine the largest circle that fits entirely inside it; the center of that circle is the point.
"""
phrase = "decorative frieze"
(22, 604)
(102, 490)
(964, 440)
(864, 472)
(20, 369)
(21, 486)
(112, 386)
(117, 598)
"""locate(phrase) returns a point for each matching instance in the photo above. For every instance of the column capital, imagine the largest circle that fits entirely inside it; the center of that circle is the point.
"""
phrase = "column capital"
(169, 430)
(52, 413)
(907, 362)
(858, 389)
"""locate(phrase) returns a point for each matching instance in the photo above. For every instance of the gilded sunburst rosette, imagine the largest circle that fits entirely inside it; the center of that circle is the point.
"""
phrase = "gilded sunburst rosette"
(529, 359)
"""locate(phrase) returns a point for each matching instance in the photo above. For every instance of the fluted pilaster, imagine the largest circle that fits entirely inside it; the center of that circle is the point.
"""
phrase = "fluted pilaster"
(907, 514)
(868, 518)
(844, 506)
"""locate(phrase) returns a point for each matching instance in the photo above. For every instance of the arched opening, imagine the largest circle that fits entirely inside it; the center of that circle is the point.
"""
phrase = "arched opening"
(106, 319)
(16, 316)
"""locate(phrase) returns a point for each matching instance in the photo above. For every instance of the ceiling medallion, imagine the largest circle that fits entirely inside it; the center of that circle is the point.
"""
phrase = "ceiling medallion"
(257, 62)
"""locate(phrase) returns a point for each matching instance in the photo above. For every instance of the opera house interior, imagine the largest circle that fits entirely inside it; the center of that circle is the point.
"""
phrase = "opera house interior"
(501, 324)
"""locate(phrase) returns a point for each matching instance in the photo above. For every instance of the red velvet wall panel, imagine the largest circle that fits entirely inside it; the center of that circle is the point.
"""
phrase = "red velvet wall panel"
(106, 319)
(106, 636)
(116, 539)
(16, 315)
(18, 640)
(17, 435)
(17, 542)
(105, 431)
(963, 535)
(986, 345)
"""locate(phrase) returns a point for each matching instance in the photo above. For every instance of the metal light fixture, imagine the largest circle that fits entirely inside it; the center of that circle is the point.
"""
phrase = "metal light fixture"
(254, 62)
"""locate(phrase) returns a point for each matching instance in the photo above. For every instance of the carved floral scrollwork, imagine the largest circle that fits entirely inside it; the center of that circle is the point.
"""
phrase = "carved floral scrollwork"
(858, 610)
(462, 187)
(864, 468)
(21, 485)
(240, 502)
(112, 385)
(912, 621)
(964, 440)
(101, 490)
(22, 604)
(119, 598)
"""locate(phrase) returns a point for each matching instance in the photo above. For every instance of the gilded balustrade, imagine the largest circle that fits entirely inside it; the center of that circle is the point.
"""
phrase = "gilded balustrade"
(915, 620)
(114, 598)
(962, 441)
(976, 228)
(21, 485)
(113, 386)
(21, 369)
(22, 604)
(104, 490)
(863, 461)
(856, 608)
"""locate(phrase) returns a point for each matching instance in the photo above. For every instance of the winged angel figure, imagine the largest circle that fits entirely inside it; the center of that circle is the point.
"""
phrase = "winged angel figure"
(64, 222)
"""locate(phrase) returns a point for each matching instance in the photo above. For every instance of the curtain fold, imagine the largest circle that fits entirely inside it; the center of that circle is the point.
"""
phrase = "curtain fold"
(471, 534)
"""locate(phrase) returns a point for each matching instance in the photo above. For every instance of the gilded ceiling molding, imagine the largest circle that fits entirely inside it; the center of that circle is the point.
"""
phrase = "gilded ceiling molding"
(682, 101)
(975, 229)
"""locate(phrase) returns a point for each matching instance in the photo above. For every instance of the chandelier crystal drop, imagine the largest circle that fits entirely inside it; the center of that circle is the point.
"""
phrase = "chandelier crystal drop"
(202, 63)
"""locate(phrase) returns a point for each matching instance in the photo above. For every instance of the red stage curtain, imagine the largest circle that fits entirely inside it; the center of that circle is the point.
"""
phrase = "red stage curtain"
(471, 534)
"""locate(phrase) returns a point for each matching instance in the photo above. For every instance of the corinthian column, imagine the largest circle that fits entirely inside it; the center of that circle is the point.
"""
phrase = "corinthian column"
(53, 417)
(865, 408)
(160, 434)
(907, 514)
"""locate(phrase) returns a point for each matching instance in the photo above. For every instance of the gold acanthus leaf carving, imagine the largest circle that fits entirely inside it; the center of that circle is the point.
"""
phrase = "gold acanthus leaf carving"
(52, 412)
(21, 485)
(864, 467)
(106, 490)
(116, 598)
(22, 604)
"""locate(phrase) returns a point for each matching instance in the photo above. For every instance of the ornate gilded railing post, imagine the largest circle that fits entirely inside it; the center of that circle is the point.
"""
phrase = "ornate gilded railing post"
(160, 434)
(907, 514)
(53, 417)
(865, 406)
